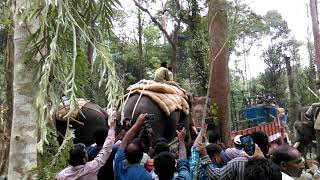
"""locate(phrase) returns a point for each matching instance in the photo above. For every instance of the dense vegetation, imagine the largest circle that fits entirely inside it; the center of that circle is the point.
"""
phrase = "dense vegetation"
(92, 51)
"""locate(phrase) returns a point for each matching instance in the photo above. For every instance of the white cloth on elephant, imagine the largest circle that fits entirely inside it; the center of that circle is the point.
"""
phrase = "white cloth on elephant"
(286, 176)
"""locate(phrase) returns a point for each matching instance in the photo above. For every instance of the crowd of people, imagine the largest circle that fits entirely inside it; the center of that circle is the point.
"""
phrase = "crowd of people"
(124, 157)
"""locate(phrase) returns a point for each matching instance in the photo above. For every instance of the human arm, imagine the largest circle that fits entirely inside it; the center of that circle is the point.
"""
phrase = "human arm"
(103, 155)
(212, 171)
(182, 146)
(258, 154)
(133, 131)
(183, 170)
(200, 135)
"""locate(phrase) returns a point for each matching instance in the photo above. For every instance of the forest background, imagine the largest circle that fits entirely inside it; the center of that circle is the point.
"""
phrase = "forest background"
(95, 50)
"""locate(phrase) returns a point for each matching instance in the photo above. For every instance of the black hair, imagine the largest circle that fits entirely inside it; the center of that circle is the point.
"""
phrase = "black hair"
(262, 140)
(213, 149)
(262, 169)
(161, 139)
(164, 165)
(134, 155)
(99, 136)
(282, 154)
(170, 68)
(214, 138)
(164, 64)
(161, 147)
(77, 154)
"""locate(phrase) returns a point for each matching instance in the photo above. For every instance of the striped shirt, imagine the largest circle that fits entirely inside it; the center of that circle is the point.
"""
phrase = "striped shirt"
(233, 170)
(196, 170)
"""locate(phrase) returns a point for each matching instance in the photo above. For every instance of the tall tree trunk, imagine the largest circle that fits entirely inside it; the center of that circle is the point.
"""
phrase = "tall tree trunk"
(218, 89)
(24, 131)
(293, 102)
(4, 151)
(141, 74)
(9, 52)
(315, 29)
(174, 52)
(89, 54)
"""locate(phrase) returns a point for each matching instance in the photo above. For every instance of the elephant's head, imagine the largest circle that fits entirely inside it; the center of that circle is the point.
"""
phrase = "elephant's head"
(304, 131)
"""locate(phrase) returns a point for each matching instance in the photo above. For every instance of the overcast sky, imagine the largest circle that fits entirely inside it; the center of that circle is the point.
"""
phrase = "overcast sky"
(295, 13)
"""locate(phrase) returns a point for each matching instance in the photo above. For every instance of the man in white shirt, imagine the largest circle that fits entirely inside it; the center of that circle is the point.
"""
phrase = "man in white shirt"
(237, 151)
(289, 160)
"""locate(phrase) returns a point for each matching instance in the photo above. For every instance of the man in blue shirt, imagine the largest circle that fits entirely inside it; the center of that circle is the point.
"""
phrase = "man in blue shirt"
(127, 162)
(164, 162)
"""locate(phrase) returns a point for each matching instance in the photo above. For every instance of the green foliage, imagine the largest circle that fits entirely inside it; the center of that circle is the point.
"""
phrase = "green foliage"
(277, 26)
(274, 78)
(51, 165)
(213, 112)
(305, 98)
(66, 28)
(246, 26)
(2, 66)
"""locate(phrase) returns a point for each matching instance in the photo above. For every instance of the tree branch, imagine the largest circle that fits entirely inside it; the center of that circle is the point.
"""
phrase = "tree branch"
(155, 21)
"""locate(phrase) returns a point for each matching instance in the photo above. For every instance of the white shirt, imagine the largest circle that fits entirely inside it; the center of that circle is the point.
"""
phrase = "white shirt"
(286, 176)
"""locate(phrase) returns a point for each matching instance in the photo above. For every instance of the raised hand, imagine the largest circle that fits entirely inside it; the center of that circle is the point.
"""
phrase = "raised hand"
(113, 124)
(202, 150)
(258, 154)
(141, 119)
(181, 134)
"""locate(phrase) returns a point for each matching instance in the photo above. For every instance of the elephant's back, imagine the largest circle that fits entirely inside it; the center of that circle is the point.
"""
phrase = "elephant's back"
(92, 107)
(144, 104)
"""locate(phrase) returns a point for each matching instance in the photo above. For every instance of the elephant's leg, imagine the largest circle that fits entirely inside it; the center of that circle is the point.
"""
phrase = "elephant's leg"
(171, 125)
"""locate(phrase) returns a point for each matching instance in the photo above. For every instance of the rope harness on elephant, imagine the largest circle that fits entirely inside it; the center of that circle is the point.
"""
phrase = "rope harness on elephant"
(169, 98)
(135, 106)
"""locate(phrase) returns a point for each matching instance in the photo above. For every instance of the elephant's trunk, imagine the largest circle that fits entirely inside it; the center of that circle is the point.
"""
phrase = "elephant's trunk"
(296, 145)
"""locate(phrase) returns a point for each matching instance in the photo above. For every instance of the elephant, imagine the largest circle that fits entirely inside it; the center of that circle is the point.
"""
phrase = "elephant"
(92, 116)
(305, 134)
(161, 124)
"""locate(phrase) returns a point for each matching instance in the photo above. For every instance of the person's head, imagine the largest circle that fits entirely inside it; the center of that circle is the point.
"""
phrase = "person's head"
(161, 147)
(100, 136)
(164, 165)
(164, 64)
(237, 143)
(161, 139)
(289, 160)
(169, 68)
(214, 151)
(78, 155)
(261, 139)
(262, 169)
(214, 138)
(134, 151)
